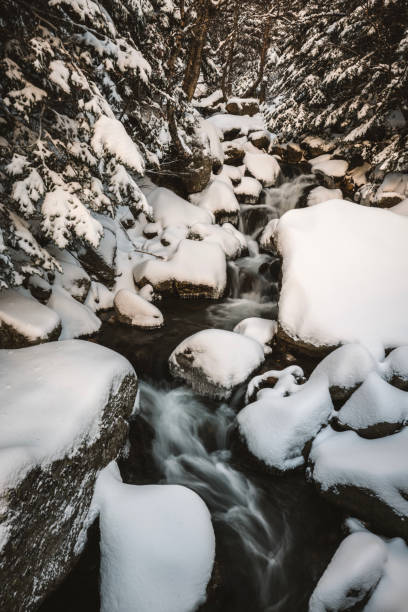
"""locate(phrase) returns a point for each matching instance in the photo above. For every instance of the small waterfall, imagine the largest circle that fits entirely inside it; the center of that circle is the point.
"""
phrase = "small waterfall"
(191, 448)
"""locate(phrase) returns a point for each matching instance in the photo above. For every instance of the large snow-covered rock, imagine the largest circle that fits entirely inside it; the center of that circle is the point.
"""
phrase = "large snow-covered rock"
(392, 191)
(24, 321)
(230, 126)
(322, 194)
(169, 209)
(197, 269)
(261, 166)
(367, 477)
(214, 361)
(157, 546)
(345, 277)
(218, 198)
(63, 417)
(367, 572)
(262, 330)
(232, 242)
(134, 310)
(248, 191)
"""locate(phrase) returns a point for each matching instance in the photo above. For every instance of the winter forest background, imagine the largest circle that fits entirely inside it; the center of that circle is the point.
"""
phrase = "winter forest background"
(203, 305)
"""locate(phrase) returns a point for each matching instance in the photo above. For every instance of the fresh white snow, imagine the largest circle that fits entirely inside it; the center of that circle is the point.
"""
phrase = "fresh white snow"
(136, 310)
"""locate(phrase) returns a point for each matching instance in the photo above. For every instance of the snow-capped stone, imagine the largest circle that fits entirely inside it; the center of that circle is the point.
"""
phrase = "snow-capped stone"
(261, 139)
(316, 146)
(267, 240)
(322, 194)
(367, 477)
(157, 546)
(240, 125)
(62, 418)
(330, 171)
(262, 330)
(24, 321)
(352, 575)
(204, 361)
(77, 320)
(330, 293)
(242, 106)
(196, 269)
(219, 199)
(248, 191)
(262, 166)
(232, 242)
(392, 191)
(134, 310)
(231, 174)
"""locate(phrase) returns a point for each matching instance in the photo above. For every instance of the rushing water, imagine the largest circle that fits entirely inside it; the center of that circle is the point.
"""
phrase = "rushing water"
(274, 535)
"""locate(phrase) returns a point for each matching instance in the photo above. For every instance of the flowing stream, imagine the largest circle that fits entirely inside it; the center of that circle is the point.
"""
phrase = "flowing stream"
(274, 535)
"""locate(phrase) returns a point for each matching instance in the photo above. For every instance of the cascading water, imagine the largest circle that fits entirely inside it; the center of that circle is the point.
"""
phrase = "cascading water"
(191, 448)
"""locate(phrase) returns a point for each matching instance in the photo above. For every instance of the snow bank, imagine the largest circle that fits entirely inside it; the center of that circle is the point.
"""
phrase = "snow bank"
(196, 269)
(28, 318)
(53, 396)
(170, 209)
(214, 361)
(157, 546)
(135, 310)
(262, 330)
(345, 276)
(77, 319)
(322, 194)
(262, 166)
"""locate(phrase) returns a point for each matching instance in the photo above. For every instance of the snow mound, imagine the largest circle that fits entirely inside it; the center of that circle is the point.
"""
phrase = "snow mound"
(249, 190)
(262, 330)
(133, 309)
(77, 319)
(214, 361)
(157, 546)
(22, 316)
(345, 276)
(45, 413)
(322, 194)
(196, 269)
(263, 167)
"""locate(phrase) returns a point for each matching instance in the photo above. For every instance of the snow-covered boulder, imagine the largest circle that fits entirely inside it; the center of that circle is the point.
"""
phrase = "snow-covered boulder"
(231, 174)
(367, 477)
(63, 417)
(231, 126)
(392, 191)
(330, 171)
(169, 209)
(345, 277)
(261, 139)
(195, 270)
(157, 546)
(234, 150)
(262, 330)
(367, 572)
(322, 194)
(132, 309)
(316, 146)
(24, 321)
(215, 361)
(261, 166)
(219, 199)
(248, 191)
(232, 242)
(242, 106)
